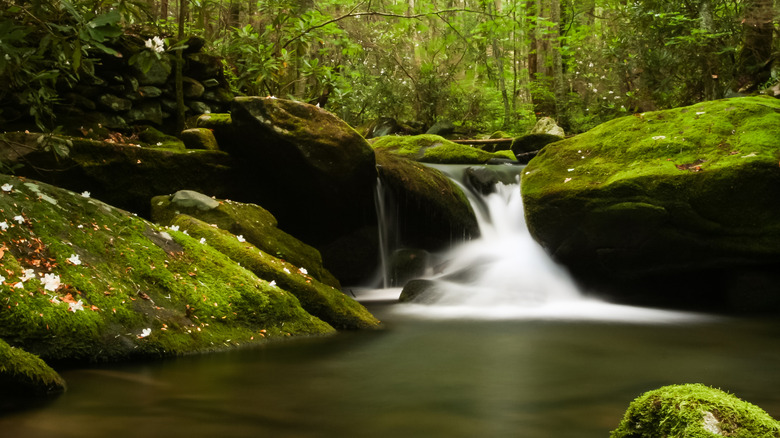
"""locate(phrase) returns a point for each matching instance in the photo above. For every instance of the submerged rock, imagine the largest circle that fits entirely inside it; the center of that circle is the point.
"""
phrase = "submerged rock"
(673, 207)
(86, 282)
(694, 410)
(429, 148)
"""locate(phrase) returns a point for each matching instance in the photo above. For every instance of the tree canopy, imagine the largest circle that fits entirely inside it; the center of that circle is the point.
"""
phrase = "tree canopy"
(484, 65)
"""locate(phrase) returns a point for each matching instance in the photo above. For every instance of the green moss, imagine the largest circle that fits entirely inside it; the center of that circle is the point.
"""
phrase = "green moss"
(429, 148)
(156, 139)
(253, 223)
(694, 411)
(25, 375)
(120, 276)
(321, 300)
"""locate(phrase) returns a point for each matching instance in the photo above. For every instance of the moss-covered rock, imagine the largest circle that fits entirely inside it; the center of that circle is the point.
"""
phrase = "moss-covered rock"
(153, 138)
(428, 148)
(309, 168)
(86, 282)
(431, 211)
(317, 298)
(665, 198)
(25, 378)
(199, 138)
(694, 411)
(121, 174)
(252, 222)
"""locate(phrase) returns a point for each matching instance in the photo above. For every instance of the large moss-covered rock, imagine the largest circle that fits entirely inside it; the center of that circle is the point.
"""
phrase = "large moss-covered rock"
(431, 211)
(25, 378)
(309, 168)
(682, 201)
(694, 411)
(86, 282)
(428, 148)
(122, 174)
(252, 222)
(319, 299)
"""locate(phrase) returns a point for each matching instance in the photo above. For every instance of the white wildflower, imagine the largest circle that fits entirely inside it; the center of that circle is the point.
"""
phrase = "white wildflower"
(19, 219)
(202, 240)
(51, 282)
(272, 283)
(287, 270)
(145, 332)
(240, 238)
(55, 300)
(74, 258)
(156, 44)
(174, 227)
(2, 279)
(73, 307)
(700, 113)
(86, 194)
(19, 285)
(7, 57)
(3, 225)
(159, 143)
(7, 187)
(185, 232)
(303, 271)
(570, 170)
(659, 137)
(27, 274)
(80, 226)
(566, 180)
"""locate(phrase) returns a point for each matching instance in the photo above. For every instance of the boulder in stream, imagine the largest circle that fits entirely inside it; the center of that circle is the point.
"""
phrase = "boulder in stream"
(428, 148)
(675, 207)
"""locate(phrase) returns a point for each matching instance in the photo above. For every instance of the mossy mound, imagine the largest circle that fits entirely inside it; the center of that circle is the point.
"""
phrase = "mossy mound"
(252, 222)
(317, 298)
(659, 198)
(694, 411)
(428, 148)
(25, 377)
(122, 174)
(431, 211)
(86, 282)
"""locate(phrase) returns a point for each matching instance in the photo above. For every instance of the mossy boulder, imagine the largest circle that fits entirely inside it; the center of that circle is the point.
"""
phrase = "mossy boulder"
(694, 411)
(309, 168)
(317, 298)
(431, 211)
(532, 142)
(86, 282)
(252, 222)
(676, 207)
(428, 148)
(122, 174)
(199, 138)
(25, 378)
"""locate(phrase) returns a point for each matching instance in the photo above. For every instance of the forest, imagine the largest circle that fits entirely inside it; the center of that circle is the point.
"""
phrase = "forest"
(484, 65)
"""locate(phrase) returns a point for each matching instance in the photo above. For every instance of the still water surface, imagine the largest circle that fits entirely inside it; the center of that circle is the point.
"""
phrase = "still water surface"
(419, 377)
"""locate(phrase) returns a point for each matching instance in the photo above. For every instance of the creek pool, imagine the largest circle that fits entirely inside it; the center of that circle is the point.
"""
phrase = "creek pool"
(419, 377)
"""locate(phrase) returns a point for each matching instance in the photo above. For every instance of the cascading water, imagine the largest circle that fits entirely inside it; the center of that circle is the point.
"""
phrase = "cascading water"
(506, 274)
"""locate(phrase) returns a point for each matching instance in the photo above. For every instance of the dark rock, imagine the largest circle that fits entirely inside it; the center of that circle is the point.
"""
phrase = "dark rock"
(114, 103)
(210, 83)
(407, 264)
(149, 91)
(485, 179)
(220, 95)
(533, 142)
(420, 292)
(192, 88)
(81, 101)
(202, 66)
(441, 129)
(383, 126)
(199, 107)
(144, 112)
(158, 73)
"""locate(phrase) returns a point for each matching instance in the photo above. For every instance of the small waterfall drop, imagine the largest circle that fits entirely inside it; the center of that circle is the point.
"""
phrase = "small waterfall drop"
(506, 274)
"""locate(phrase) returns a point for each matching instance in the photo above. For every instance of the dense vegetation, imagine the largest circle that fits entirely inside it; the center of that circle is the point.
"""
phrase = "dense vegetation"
(483, 64)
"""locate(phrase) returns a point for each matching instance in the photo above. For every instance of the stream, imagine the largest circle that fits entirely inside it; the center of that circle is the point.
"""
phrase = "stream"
(510, 349)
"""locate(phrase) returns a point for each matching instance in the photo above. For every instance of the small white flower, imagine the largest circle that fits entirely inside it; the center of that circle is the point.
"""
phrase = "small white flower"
(303, 271)
(3, 225)
(74, 258)
(159, 143)
(80, 226)
(202, 240)
(566, 180)
(174, 227)
(240, 238)
(73, 307)
(287, 270)
(55, 300)
(185, 232)
(27, 274)
(19, 285)
(86, 194)
(145, 332)
(659, 137)
(2, 279)
(272, 283)
(700, 113)
(7, 187)
(570, 170)
(156, 44)
(19, 219)
(7, 57)
(51, 282)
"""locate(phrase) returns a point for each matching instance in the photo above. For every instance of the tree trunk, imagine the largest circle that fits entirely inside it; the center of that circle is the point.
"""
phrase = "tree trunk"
(180, 69)
(755, 56)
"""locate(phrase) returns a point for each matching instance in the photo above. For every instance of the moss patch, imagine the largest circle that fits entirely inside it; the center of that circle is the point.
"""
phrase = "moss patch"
(429, 148)
(321, 300)
(24, 375)
(83, 281)
(694, 411)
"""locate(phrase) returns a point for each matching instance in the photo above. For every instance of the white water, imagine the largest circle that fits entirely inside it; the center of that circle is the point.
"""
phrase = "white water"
(505, 274)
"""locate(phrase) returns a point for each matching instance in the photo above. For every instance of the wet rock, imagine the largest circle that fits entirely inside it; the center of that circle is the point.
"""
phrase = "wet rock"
(407, 264)
(26, 379)
(642, 206)
(192, 88)
(420, 292)
(441, 129)
(149, 91)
